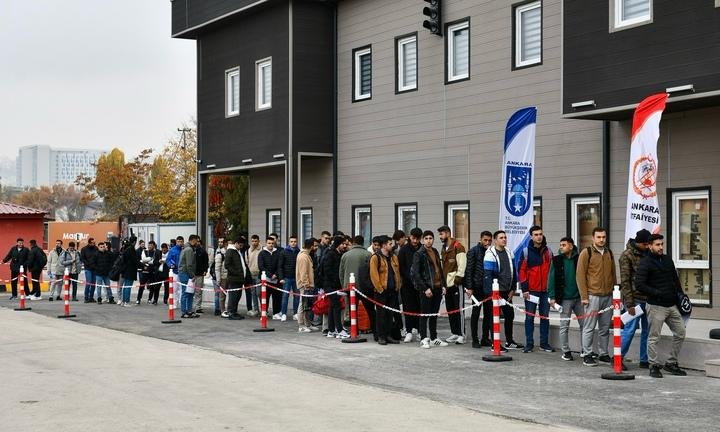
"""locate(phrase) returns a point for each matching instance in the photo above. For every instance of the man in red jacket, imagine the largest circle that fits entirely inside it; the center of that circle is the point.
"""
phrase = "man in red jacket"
(533, 275)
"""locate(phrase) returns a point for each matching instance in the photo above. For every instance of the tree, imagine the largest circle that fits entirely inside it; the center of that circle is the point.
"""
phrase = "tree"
(60, 201)
(227, 205)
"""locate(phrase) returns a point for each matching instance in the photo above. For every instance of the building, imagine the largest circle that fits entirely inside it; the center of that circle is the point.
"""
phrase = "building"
(18, 222)
(43, 166)
(415, 130)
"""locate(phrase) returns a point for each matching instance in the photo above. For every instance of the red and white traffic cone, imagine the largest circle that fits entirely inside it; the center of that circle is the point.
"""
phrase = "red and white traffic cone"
(66, 295)
(263, 306)
(23, 286)
(496, 356)
(617, 374)
(171, 303)
(353, 315)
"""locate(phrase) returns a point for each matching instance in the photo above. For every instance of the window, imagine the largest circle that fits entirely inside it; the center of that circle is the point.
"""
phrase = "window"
(362, 222)
(583, 218)
(457, 217)
(690, 242)
(537, 211)
(232, 92)
(306, 224)
(457, 51)
(406, 63)
(527, 42)
(626, 13)
(406, 217)
(362, 74)
(274, 222)
(263, 80)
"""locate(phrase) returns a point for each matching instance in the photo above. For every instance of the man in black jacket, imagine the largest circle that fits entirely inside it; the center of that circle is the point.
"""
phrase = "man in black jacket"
(430, 284)
(410, 296)
(131, 262)
(657, 277)
(269, 262)
(474, 275)
(102, 262)
(238, 274)
(35, 263)
(86, 258)
(331, 283)
(149, 264)
(18, 256)
(202, 265)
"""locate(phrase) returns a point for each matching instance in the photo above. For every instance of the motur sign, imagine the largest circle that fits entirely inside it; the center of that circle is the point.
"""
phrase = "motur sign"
(75, 236)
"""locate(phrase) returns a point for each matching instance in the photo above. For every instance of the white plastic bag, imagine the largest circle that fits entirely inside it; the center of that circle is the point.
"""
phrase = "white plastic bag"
(190, 287)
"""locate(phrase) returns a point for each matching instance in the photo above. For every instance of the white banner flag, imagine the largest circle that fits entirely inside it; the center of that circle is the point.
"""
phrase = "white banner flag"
(643, 210)
(516, 192)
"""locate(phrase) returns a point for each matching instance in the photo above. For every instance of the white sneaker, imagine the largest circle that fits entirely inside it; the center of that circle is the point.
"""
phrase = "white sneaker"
(331, 335)
(342, 335)
(251, 313)
(295, 317)
(283, 317)
(314, 328)
(33, 298)
(304, 329)
(438, 342)
(408, 337)
(460, 340)
(277, 316)
(452, 338)
(425, 343)
(403, 332)
(225, 314)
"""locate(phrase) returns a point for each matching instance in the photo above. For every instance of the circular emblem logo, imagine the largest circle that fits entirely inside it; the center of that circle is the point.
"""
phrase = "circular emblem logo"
(644, 176)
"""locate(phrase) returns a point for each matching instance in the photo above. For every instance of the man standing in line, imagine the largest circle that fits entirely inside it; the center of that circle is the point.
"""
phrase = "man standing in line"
(173, 262)
(409, 295)
(498, 264)
(286, 267)
(454, 261)
(429, 282)
(534, 266)
(385, 277)
(562, 289)
(630, 258)
(658, 279)
(474, 275)
(238, 274)
(220, 276)
(596, 278)
(36, 262)
(149, 264)
(102, 262)
(71, 261)
(251, 257)
(186, 272)
(129, 271)
(17, 255)
(269, 262)
(332, 283)
(202, 264)
(55, 270)
(86, 257)
(304, 277)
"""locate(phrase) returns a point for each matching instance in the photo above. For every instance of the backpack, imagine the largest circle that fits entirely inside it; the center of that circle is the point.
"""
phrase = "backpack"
(117, 268)
(42, 258)
(212, 267)
(589, 253)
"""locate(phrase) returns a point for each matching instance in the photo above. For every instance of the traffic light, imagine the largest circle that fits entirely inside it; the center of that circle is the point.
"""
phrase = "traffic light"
(433, 21)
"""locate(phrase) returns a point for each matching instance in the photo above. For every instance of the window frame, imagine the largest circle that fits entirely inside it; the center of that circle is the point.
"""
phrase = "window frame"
(672, 239)
(356, 78)
(229, 73)
(449, 221)
(571, 213)
(617, 23)
(302, 235)
(518, 9)
(399, 208)
(268, 224)
(537, 202)
(400, 41)
(356, 210)
(450, 27)
(259, 84)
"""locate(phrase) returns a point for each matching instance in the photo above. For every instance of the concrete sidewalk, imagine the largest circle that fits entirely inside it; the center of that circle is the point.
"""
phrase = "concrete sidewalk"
(66, 376)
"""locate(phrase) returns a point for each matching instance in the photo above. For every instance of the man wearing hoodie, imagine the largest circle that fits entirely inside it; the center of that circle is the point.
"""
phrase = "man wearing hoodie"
(409, 295)
(55, 270)
(304, 277)
(630, 258)
(533, 268)
(238, 274)
(454, 261)
(269, 262)
(186, 272)
(562, 289)
(288, 260)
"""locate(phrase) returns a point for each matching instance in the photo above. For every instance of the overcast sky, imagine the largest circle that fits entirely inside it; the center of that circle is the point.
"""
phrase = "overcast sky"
(96, 74)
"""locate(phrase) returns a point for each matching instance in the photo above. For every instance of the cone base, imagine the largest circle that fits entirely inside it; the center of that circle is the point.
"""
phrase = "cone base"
(263, 330)
(496, 358)
(171, 321)
(67, 316)
(353, 340)
(22, 309)
(617, 377)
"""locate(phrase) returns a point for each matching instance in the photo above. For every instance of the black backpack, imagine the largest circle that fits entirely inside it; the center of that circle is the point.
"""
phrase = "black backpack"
(117, 268)
(42, 258)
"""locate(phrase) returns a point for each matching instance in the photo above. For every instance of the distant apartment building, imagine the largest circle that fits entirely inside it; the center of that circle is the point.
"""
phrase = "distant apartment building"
(41, 165)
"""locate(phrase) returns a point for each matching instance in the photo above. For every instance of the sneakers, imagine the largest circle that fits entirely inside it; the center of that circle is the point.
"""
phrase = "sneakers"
(674, 369)
(604, 358)
(277, 316)
(283, 317)
(304, 329)
(314, 328)
(452, 338)
(591, 354)
(99, 301)
(644, 365)
(503, 349)
(33, 298)
(251, 313)
(342, 335)
(528, 348)
(124, 304)
(476, 344)
(485, 343)
(392, 340)
(438, 342)
(111, 300)
(236, 316)
(588, 360)
(294, 317)
(513, 345)
(137, 302)
(460, 340)
(425, 343)
(331, 335)
(224, 314)
(567, 356)
(12, 297)
(381, 341)
(408, 338)
(655, 371)
(547, 348)
(51, 298)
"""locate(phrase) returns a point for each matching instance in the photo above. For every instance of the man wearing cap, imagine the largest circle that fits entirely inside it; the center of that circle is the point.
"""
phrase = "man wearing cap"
(454, 261)
(634, 250)
(658, 279)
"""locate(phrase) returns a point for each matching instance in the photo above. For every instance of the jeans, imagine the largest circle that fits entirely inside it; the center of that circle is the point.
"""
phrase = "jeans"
(100, 283)
(629, 331)
(89, 284)
(179, 292)
(569, 306)
(126, 287)
(544, 309)
(595, 303)
(289, 285)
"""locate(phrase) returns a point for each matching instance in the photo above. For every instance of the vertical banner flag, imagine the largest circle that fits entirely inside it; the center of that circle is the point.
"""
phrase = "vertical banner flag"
(643, 210)
(516, 191)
